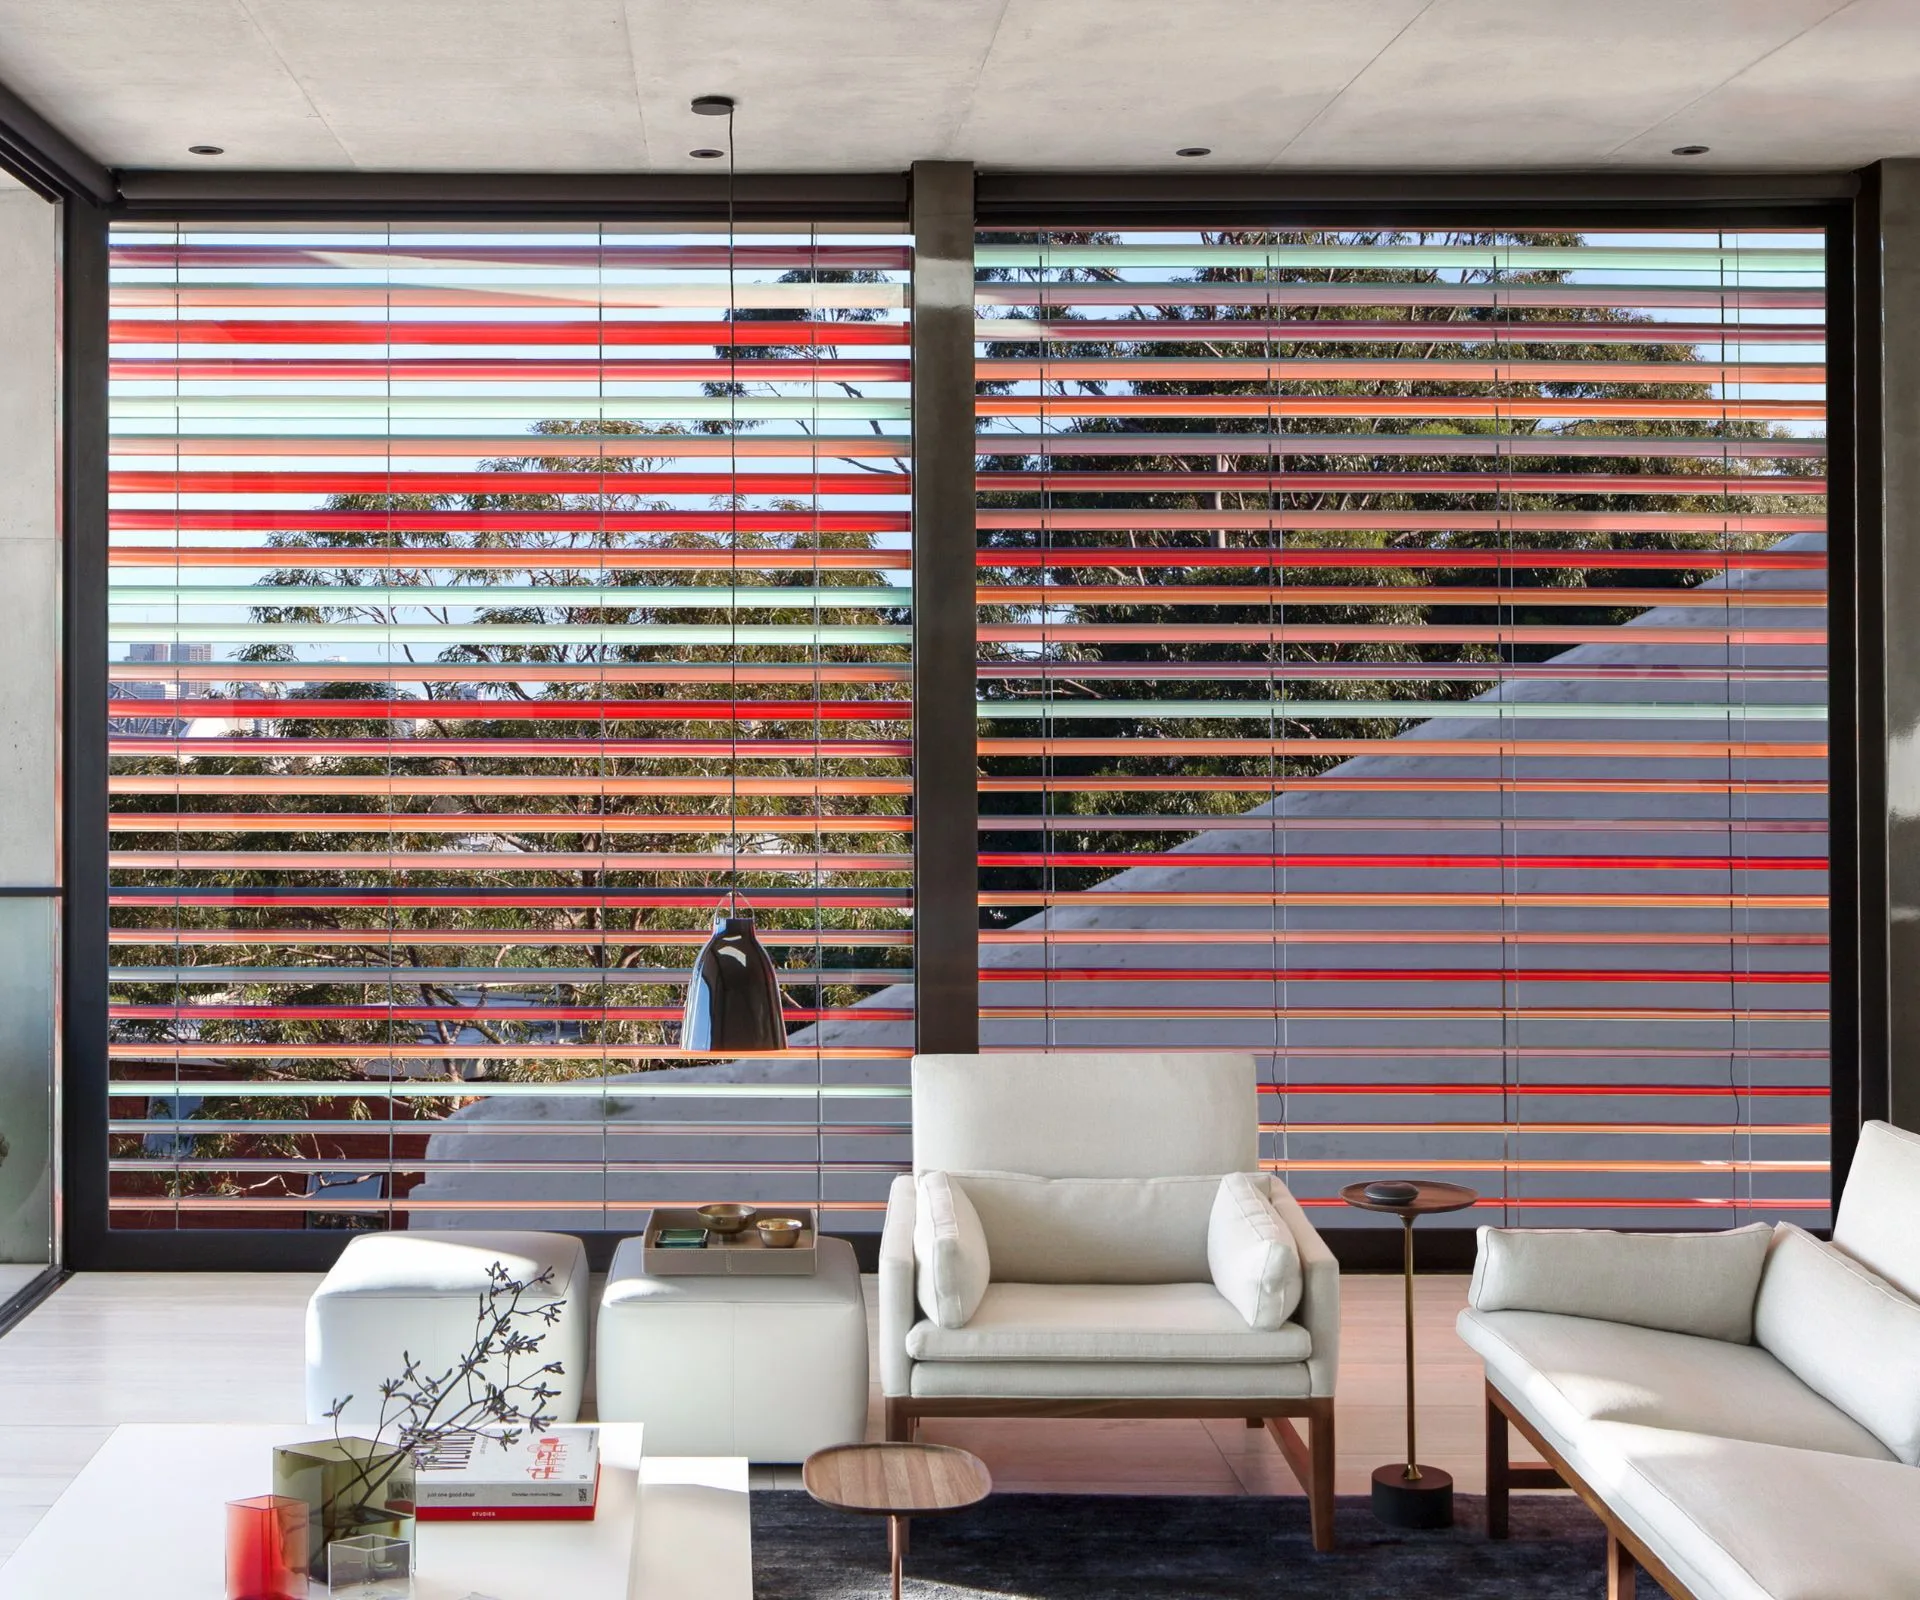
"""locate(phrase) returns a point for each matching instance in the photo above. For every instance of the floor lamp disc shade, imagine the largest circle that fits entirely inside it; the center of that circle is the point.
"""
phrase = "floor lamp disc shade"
(733, 1001)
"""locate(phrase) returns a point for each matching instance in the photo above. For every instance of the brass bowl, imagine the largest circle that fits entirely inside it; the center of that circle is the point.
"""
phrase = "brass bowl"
(726, 1219)
(780, 1233)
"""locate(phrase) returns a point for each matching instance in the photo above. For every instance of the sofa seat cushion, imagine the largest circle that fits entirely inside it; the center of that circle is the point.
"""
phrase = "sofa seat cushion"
(1738, 1520)
(1110, 1380)
(1567, 1372)
(1144, 1322)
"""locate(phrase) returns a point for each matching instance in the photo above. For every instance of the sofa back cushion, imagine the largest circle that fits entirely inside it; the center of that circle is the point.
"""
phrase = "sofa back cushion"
(951, 1263)
(1846, 1333)
(1251, 1253)
(1698, 1283)
(1875, 1221)
(1087, 1114)
(1093, 1230)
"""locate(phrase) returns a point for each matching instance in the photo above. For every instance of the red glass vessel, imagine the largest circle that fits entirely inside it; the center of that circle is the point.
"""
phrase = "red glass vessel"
(267, 1548)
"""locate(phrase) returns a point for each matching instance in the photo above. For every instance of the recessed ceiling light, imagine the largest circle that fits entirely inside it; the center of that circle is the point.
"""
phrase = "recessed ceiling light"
(1690, 149)
(712, 105)
(705, 154)
(1195, 150)
(206, 150)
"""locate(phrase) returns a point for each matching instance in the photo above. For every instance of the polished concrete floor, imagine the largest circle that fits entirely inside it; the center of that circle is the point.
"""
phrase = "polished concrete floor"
(15, 1276)
(156, 1347)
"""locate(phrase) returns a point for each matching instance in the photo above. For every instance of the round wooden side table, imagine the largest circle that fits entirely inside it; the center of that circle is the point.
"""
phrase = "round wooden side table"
(896, 1481)
(1406, 1494)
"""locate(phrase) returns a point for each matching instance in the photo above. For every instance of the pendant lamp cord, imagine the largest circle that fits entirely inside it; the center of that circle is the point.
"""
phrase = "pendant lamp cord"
(733, 520)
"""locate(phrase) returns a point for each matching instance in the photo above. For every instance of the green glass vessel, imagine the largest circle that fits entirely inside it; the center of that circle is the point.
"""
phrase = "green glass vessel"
(352, 1487)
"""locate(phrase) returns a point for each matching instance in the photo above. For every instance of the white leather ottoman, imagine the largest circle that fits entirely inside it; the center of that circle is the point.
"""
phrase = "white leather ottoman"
(391, 1295)
(772, 1369)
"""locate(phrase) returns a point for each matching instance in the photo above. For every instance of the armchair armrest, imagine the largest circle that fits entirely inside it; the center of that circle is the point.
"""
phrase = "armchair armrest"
(899, 1307)
(1319, 1311)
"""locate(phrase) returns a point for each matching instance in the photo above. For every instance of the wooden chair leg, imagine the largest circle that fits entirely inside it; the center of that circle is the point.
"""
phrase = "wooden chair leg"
(1621, 1570)
(1311, 1461)
(899, 1422)
(1497, 1484)
(1320, 1494)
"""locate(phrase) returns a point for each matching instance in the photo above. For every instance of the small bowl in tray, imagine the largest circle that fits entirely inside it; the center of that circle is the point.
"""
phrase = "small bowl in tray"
(727, 1219)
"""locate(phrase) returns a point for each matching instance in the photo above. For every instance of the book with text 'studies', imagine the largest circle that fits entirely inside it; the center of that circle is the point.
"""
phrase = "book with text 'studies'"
(551, 1475)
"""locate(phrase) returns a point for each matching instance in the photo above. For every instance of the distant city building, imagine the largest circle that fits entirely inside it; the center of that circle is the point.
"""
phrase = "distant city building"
(155, 689)
(169, 652)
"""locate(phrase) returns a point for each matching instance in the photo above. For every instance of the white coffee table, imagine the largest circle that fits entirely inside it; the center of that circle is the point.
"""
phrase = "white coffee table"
(147, 1517)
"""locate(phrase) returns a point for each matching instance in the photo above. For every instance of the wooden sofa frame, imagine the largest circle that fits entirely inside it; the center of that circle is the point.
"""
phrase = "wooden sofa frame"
(1312, 1463)
(1626, 1550)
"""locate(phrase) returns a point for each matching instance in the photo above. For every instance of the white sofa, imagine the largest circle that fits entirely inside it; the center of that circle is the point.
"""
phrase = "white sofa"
(1062, 1245)
(1743, 1411)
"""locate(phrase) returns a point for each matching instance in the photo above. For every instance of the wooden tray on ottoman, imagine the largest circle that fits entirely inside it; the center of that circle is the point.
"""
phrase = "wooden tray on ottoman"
(738, 1253)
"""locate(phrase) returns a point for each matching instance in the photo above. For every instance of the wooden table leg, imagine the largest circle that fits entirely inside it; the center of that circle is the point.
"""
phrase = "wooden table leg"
(896, 1549)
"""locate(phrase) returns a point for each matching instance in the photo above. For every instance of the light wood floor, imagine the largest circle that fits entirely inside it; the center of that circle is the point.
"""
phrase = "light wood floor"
(157, 1347)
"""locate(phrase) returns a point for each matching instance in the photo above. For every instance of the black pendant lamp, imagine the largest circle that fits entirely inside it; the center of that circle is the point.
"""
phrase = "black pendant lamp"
(733, 1000)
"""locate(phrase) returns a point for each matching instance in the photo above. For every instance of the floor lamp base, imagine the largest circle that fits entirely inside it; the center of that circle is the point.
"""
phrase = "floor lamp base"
(1422, 1502)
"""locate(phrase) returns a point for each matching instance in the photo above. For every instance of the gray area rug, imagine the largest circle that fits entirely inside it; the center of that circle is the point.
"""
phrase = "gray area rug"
(1199, 1547)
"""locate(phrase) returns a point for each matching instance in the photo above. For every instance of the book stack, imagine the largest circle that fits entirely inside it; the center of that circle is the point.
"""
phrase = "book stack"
(551, 1475)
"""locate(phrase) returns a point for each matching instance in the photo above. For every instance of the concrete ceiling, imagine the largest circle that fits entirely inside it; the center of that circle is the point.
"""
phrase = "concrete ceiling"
(866, 85)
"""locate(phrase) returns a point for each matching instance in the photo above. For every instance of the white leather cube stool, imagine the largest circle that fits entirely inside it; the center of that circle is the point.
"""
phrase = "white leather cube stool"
(770, 1368)
(391, 1295)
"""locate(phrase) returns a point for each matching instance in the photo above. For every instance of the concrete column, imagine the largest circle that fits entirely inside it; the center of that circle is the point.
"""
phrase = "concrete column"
(29, 719)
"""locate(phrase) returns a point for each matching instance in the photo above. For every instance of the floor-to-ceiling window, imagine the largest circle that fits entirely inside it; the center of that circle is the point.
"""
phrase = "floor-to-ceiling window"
(489, 605)
(1403, 656)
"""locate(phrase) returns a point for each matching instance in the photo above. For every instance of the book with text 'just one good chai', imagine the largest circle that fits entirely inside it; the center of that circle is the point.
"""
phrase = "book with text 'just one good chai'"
(552, 1474)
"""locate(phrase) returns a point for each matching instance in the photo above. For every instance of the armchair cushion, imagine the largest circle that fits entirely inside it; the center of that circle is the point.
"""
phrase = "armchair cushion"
(1106, 1322)
(951, 1250)
(1093, 1230)
(1847, 1334)
(1250, 1253)
(1087, 1113)
(1110, 1380)
(1698, 1283)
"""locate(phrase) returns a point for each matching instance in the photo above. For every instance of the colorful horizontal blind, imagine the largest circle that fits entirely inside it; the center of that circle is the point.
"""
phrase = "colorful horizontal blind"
(1402, 656)
(488, 608)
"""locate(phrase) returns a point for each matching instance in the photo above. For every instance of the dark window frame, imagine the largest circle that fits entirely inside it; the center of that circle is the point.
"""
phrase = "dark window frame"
(1840, 204)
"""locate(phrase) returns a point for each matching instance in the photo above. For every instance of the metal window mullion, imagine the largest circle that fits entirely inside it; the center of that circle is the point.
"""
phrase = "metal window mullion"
(83, 709)
(946, 919)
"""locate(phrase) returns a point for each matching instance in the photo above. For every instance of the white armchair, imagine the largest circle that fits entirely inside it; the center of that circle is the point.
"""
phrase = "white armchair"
(1093, 1262)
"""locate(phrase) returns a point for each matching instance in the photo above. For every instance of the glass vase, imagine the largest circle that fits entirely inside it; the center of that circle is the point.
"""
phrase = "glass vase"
(370, 1566)
(351, 1487)
(267, 1553)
